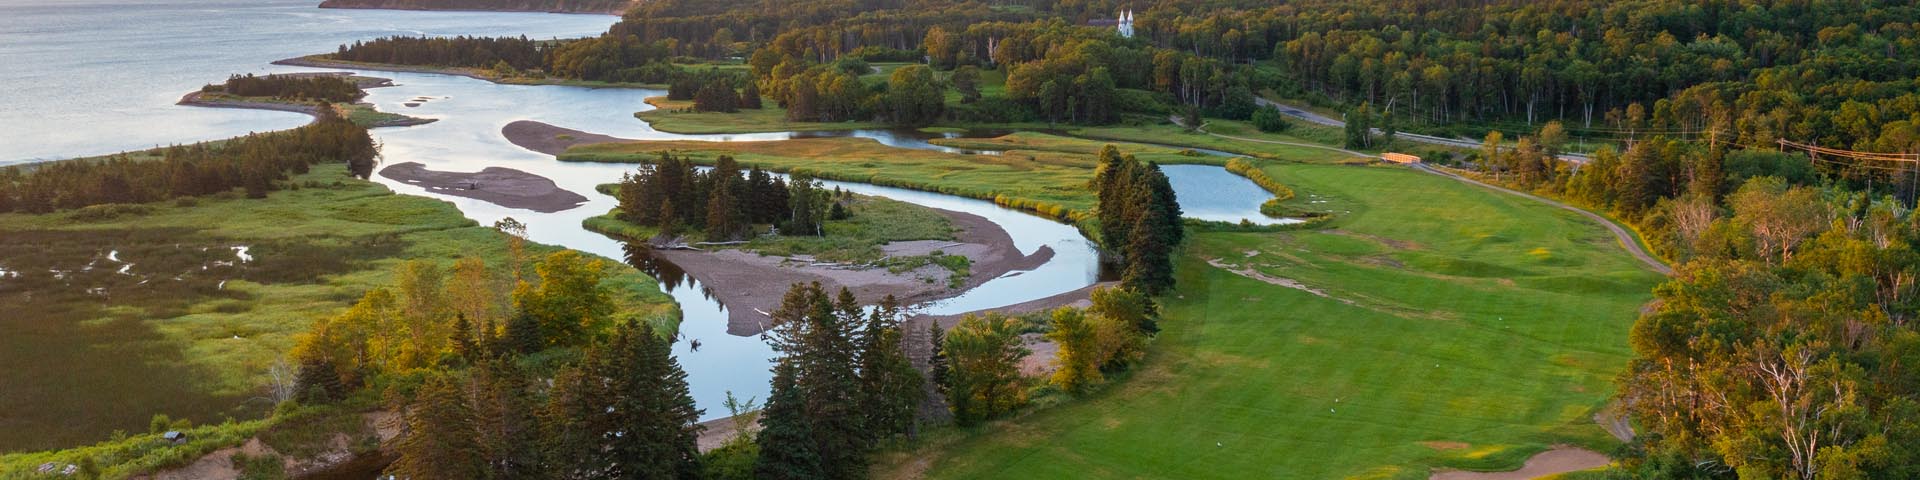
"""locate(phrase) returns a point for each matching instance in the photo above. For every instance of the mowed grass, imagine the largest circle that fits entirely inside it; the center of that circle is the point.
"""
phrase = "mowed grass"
(677, 116)
(1451, 314)
(189, 329)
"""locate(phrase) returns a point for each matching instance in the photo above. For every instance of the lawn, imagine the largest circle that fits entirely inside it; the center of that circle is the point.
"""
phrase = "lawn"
(1459, 327)
(153, 310)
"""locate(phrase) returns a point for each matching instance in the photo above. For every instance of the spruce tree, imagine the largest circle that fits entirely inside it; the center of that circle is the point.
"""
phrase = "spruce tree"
(523, 335)
(892, 388)
(505, 418)
(937, 359)
(440, 442)
(625, 412)
(787, 450)
(318, 382)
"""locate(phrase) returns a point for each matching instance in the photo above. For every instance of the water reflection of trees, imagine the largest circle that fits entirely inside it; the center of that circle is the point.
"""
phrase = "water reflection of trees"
(671, 276)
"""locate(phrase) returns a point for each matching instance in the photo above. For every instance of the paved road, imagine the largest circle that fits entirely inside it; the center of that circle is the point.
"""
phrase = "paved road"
(1620, 235)
(1311, 117)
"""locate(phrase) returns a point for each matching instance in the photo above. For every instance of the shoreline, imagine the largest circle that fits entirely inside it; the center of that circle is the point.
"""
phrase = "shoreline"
(750, 285)
(501, 186)
(314, 61)
(194, 99)
(380, 5)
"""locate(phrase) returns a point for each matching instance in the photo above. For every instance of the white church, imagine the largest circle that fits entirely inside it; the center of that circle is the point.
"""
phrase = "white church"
(1124, 24)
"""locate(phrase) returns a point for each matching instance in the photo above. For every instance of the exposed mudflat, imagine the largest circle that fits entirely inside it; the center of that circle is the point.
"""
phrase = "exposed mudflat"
(505, 187)
(549, 139)
(750, 285)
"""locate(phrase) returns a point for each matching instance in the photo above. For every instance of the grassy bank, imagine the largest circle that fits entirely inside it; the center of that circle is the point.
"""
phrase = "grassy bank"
(677, 116)
(362, 114)
(1435, 324)
(874, 222)
(1050, 183)
(126, 311)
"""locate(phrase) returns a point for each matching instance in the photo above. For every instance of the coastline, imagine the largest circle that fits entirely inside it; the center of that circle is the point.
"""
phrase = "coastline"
(388, 5)
(197, 99)
(315, 61)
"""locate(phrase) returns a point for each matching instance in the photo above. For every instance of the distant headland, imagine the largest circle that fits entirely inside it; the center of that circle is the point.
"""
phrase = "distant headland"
(603, 7)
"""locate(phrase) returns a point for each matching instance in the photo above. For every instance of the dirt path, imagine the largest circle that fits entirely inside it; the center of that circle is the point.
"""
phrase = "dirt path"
(1625, 238)
(1561, 459)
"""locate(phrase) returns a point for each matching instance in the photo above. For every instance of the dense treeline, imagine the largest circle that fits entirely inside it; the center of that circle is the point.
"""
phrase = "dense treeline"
(569, 6)
(474, 52)
(606, 58)
(327, 88)
(257, 163)
(1782, 345)
(723, 201)
(1139, 219)
(1785, 347)
(1836, 73)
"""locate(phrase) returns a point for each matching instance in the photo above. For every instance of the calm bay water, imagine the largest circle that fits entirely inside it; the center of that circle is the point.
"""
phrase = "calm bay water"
(88, 77)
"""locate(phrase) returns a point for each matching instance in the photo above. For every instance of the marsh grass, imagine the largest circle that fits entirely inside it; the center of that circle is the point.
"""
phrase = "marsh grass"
(190, 330)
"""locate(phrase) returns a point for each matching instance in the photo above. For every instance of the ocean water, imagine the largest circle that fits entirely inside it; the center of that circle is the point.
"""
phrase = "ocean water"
(89, 77)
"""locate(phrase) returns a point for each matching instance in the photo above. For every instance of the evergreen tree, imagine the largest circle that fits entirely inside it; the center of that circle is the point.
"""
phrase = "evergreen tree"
(892, 387)
(505, 418)
(523, 335)
(816, 338)
(625, 412)
(716, 96)
(750, 96)
(440, 442)
(787, 450)
(1113, 178)
(462, 339)
(937, 358)
(318, 382)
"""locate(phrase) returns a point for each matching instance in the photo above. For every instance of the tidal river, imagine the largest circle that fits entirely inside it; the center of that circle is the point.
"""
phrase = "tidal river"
(86, 83)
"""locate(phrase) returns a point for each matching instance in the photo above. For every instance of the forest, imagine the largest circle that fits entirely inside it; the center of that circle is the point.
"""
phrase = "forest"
(257, 163)
(724, 202)
(324, 88)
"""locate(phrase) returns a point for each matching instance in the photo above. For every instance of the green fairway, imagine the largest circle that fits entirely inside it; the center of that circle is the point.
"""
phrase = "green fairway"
(154, 310)
(1458, 327)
